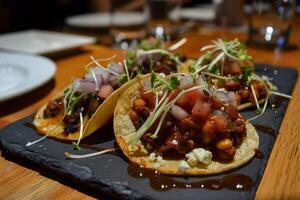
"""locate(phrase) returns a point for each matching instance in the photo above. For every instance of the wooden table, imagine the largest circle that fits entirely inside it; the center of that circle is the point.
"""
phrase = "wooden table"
(281, 178)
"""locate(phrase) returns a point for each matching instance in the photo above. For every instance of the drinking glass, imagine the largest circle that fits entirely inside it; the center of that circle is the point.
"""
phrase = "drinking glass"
(164, 18)
(128, 21)
(270, 22)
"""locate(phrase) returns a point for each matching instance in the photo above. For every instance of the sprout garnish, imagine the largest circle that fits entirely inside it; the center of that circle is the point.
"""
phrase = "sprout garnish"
(76, 144)
(75, 156)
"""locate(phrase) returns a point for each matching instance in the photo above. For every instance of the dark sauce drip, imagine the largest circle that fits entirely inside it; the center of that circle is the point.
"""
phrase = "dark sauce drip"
(259, 154)
(265, 129)
(239, 182)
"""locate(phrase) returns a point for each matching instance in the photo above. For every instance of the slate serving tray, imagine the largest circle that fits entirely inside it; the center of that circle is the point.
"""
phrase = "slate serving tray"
(109, 173)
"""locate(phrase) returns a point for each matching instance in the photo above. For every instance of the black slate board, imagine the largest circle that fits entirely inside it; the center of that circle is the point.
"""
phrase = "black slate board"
(108, 173)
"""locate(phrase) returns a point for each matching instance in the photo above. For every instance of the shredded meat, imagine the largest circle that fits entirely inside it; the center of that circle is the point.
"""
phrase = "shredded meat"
(53, 108)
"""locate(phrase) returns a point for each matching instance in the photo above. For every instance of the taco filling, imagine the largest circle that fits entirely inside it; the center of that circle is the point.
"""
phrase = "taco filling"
(226, 64)
(151, 54)
(181, 118)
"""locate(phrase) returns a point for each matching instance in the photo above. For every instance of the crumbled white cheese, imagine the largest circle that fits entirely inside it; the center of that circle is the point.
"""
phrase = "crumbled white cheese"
(174, 142)
(156, 165)
(191, 159)
(159, 159)
(199, 155)
(183, 166)
(222, 108)
(152, 157)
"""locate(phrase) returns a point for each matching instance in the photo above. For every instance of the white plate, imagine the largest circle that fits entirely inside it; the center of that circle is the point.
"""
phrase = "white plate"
(198, 13)
(22, 73)
(102, 20)
(42, 42)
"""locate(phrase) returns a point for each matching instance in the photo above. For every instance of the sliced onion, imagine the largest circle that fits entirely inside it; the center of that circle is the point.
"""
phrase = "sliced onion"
(147, 85)
(87, 86)
(231, 98)
(117, 67)
(200, 81)
(101, 75)
(76, 85)
(220, 113)
(114, 80)
(178, 112)
(186, 82)
(227, 97)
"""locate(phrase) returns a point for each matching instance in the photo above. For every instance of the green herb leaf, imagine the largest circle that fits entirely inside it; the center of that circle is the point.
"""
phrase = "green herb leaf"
(236, 79)
(191, 68)
(247, 68)
(173, 83)
(66, 90)
(123, 78)
(258, 111)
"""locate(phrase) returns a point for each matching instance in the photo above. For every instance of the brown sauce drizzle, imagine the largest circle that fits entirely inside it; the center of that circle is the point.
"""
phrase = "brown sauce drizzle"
(265, 129)
(259, 154)
(239, 182)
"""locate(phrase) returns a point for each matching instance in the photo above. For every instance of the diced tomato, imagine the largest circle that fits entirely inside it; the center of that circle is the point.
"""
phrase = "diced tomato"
(173, 94)
(220, 122)
(195, 95)
(105, 91)
(183, 102)
(201, 111)
(149, 97)
(216, 104)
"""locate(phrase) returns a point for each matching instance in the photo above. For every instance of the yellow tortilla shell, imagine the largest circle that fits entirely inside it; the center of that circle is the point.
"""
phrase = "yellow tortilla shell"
(104, 113)
(139, 155)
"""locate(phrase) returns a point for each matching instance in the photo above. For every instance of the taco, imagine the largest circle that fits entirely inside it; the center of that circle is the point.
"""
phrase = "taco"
(226, 64)
(182, 126)
(85, 105)
(151, 54)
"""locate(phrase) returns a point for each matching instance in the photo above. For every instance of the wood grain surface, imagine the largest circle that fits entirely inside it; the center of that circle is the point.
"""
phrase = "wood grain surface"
(281, 179)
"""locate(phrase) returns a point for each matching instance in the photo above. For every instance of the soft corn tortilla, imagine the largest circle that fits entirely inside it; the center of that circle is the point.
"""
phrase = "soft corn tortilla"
(123, 126)
(53, 127)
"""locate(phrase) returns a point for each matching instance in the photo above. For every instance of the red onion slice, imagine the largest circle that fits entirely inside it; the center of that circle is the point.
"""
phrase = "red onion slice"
(117, 67)
(186, 82)
(178, 112)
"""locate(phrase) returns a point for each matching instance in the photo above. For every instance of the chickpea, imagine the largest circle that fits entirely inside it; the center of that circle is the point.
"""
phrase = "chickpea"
(208, 132)
(238, 99)
(224, 144)
(134, 117)
(138, 103)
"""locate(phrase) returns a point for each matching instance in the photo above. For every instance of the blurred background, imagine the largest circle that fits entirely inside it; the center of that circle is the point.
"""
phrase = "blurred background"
(116, 21)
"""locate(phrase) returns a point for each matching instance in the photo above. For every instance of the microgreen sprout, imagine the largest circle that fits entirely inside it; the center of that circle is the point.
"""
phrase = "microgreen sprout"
(75, 156)
(76, 144)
